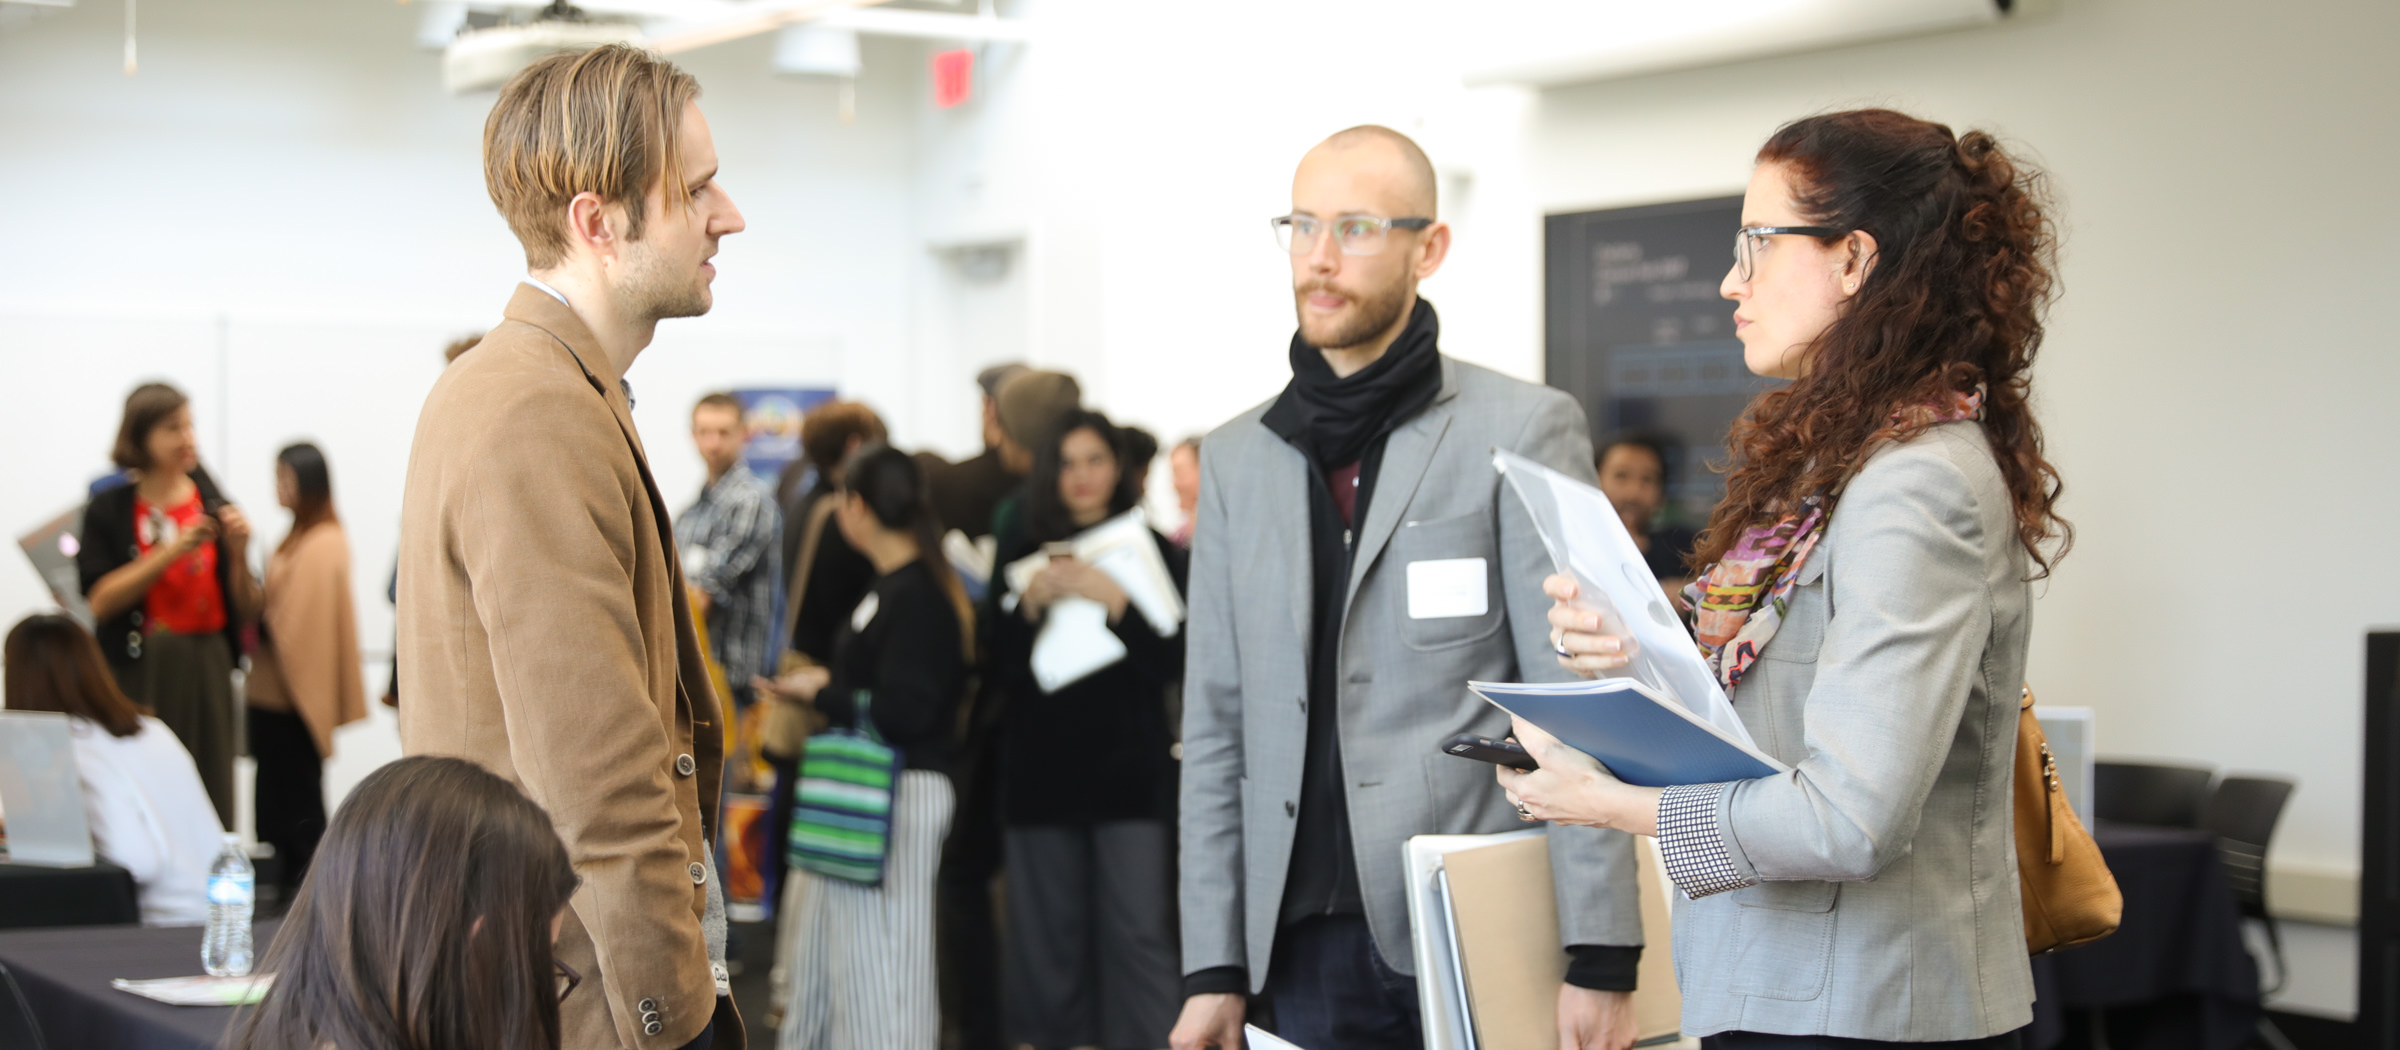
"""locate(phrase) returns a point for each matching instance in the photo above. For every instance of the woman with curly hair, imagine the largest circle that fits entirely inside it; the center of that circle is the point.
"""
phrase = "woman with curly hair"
(1863, 595)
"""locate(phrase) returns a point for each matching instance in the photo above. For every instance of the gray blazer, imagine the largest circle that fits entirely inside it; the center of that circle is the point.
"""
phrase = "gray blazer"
(1403, 680)
(1872, 892)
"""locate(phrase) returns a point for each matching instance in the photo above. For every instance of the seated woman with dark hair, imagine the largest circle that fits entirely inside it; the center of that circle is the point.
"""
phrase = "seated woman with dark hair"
(426, 922)
(142, 797)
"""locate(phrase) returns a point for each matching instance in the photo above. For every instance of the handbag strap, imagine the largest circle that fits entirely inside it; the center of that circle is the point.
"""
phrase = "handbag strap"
(812, 533)
(2053, 793)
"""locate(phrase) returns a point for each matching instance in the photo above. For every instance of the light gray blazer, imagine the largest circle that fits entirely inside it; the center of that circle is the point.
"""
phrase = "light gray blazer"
(1881, 874)
(1402, 680)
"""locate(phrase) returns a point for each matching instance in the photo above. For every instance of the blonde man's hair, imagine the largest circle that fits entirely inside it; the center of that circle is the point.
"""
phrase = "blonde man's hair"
(602, 121)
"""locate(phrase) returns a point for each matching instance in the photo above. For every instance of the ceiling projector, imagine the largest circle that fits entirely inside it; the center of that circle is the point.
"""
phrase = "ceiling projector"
(487, 57)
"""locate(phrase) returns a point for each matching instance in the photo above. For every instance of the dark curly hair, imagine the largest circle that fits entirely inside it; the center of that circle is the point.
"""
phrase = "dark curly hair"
(1961, 277)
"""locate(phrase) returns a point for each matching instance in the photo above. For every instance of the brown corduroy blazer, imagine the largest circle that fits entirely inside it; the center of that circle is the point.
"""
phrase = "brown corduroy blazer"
(544, 633)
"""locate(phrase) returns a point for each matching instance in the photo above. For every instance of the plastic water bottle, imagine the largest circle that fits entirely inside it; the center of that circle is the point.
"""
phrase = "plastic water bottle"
(232, 894)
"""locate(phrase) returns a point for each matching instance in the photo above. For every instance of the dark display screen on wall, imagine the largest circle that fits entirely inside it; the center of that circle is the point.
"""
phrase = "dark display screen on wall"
(1637, 332)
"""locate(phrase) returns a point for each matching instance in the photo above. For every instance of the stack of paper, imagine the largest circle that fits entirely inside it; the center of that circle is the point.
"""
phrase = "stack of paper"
(1075, 641)
(200, 991)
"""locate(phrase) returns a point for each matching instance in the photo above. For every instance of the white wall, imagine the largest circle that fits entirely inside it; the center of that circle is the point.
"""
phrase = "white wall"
(1142, 149)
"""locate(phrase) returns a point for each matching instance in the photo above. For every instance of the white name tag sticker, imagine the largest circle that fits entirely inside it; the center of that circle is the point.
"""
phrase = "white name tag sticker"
(1448, 588)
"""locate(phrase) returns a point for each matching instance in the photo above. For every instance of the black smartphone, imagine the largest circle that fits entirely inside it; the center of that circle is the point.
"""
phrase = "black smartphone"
(1485, 749)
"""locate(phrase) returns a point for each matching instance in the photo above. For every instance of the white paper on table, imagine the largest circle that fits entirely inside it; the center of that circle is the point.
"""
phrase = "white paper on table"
(200, 991)
(1261, 1039)
(1075, 639)
(1587, 541)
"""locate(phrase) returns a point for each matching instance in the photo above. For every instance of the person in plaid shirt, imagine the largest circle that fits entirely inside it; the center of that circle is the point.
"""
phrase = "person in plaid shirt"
(728, 539)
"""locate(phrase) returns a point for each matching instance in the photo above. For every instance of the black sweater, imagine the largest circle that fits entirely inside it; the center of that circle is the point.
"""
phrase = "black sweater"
(836, 583)
(907, 658)
(1099, 749)
(108, 544)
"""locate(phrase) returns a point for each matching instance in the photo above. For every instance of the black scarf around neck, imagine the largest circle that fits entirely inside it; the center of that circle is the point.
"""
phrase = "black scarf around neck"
(1332, 420)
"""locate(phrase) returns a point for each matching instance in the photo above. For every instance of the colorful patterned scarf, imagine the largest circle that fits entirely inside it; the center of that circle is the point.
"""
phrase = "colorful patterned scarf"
(1740, 601)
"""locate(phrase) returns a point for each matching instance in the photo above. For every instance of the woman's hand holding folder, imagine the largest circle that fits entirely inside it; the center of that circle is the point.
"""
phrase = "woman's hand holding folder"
(1572, 788)
(1576, 636)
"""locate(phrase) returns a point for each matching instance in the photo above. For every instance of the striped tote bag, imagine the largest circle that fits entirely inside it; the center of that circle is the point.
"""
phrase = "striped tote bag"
(842, 802)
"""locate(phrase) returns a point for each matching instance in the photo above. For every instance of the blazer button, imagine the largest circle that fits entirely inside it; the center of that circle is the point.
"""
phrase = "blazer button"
(685, 765)
(137, 619)
(649, 1017)
(652, 1028)
(1290, 809)
(647, 1006)
(699, 873)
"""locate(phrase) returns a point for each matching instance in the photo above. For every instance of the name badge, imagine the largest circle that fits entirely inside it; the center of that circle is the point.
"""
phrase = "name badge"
(1448, 588)
(865, 613)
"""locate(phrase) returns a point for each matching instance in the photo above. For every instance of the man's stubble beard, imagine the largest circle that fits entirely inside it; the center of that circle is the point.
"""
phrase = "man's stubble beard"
(653, 291)
(1374, 315)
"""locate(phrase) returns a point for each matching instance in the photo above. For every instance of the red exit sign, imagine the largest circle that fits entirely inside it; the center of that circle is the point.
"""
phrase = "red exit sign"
(953, 77)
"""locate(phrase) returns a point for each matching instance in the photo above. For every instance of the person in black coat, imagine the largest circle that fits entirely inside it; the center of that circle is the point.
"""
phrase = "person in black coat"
(165, 565)
(1087, 773)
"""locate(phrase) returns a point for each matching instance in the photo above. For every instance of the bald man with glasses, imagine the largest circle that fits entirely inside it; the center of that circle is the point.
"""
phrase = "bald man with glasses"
(1355, 563)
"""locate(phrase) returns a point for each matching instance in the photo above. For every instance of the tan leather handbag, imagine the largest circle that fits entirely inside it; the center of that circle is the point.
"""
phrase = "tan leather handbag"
(2070, 896)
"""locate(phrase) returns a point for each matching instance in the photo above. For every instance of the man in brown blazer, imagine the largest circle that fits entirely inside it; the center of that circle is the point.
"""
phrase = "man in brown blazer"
(543, 627)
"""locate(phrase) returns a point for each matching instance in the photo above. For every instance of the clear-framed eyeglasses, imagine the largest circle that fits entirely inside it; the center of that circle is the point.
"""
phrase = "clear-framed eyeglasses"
(1749, 239)
(1355, 234)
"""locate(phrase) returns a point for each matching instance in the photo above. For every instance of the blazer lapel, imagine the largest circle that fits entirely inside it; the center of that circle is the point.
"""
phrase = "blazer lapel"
(1407, 454)
(1287, 533)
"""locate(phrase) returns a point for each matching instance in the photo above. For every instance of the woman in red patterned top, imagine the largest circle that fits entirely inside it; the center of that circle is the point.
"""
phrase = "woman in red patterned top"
(165, 567)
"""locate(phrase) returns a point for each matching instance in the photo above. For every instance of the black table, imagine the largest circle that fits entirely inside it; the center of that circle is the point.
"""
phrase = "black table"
(2175, 975)
(65, 975)
(100, 895)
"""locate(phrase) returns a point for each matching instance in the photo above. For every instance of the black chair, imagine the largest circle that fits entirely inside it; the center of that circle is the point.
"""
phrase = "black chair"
(2144, 793)
(2242, 812)
(18, 1031)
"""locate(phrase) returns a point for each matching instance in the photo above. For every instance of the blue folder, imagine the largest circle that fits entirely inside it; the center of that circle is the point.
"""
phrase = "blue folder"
(1643, 739)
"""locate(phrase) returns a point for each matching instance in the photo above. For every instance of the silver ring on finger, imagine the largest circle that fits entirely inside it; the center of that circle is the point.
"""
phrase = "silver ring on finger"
(1523, 813)
(1558, 644)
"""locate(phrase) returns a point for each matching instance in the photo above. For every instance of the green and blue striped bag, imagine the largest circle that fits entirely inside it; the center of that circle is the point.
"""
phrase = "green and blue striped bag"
(842, 802)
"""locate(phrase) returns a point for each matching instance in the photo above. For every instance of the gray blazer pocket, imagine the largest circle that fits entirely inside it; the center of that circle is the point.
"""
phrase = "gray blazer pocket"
(1786, 934)
(1446, 540)
(1803, 630)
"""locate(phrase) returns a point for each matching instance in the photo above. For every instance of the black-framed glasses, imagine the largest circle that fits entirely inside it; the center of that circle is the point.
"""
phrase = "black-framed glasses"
(1355, 234)
(1749, 239)
(567, 979)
